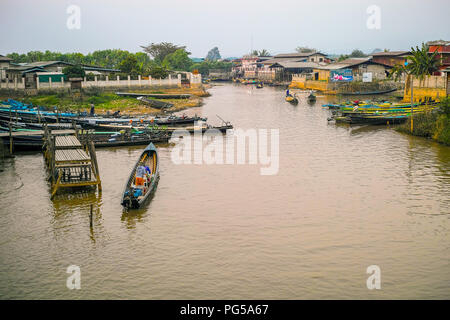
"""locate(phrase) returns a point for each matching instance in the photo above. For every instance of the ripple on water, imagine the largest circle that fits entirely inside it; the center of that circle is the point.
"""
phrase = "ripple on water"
(344, 198)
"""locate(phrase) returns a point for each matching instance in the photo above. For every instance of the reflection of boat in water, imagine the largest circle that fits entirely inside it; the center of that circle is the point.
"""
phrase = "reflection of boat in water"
(311, 98)
(143, 179)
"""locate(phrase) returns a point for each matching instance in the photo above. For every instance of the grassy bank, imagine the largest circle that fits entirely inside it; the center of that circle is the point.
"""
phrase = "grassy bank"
(434, 125)
(105, 101)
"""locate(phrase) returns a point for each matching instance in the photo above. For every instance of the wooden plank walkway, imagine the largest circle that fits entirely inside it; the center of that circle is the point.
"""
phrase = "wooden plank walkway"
(70, 163)
(70, 156)
(36, 133)
(67, 142)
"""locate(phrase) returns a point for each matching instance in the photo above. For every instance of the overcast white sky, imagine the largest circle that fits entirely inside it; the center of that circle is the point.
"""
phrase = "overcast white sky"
(235, 26)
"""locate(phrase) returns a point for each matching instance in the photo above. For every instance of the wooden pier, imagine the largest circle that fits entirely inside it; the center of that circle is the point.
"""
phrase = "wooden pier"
(70, 162)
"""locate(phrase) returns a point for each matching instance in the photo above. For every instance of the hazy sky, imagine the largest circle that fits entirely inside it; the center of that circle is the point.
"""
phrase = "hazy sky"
(332, 26)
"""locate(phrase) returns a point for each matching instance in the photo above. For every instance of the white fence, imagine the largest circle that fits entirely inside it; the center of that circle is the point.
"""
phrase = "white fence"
(17, 84)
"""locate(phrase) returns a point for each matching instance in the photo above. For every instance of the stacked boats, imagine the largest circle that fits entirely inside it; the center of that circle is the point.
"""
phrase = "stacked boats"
(362, 112)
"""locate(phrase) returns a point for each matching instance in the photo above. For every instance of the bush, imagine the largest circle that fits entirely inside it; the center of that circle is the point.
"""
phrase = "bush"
(435, 125)
(442, 129)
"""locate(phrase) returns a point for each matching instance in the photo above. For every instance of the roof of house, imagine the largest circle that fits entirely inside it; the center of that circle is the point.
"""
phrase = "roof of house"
(3, 58)
(46, 63)
(295, 65)
(275, 60)
(97, 68)
(351, 62)
(21, 67)
(297, 54)
(391, 53)
(438, 43)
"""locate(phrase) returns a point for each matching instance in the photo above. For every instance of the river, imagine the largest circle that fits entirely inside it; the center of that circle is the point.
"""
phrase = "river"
(344, 198)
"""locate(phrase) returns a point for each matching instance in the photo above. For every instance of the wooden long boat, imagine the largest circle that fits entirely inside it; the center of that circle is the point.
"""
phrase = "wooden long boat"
(155, 103)
(137, 191)
(359, 93)
(291, 99)
(375, 120)
(156, 95)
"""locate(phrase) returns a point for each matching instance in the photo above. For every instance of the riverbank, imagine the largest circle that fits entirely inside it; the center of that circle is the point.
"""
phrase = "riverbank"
(108, 102)
(432, 125)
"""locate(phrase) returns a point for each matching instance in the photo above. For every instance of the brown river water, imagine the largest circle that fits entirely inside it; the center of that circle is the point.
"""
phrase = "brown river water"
(344, 198)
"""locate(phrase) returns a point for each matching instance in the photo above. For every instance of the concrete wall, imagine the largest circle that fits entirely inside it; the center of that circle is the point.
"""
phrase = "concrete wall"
(434, 87)
(267, 75)
(300, 82)
(303, 81)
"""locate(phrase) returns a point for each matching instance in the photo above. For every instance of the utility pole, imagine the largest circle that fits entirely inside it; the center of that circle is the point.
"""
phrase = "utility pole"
(411, 87)
(412, 103)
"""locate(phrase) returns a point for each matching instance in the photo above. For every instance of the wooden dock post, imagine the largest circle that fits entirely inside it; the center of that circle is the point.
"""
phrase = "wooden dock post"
(90, 216)
(10, 139)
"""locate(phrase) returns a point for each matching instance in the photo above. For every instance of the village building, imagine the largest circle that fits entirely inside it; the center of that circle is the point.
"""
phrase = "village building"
(391, 58)
(250, 67)
(280, 67)
(4, 65)
(357, 68)
(303, 57)
(443, 49)
(285, 69)
(43, 71)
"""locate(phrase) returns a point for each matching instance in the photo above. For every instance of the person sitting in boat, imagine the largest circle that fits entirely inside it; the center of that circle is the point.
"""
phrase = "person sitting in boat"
(287, 93)
(140, 172)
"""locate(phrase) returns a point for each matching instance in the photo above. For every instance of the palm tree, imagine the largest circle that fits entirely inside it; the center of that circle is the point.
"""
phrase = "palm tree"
(263, 53)
(420, 64)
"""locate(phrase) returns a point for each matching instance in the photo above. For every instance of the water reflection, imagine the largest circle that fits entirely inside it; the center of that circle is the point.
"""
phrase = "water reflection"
(74, 208)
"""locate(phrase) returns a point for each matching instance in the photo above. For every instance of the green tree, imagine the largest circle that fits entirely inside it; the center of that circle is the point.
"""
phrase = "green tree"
(74, 71)
(263, 53)
(357, 54)
(420, 64)
(158, 72)
(343, 57)
(129, 65)
(178, 60)
(160, 50)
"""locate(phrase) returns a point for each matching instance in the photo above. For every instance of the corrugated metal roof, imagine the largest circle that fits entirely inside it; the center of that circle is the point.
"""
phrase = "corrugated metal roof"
(351, 62)
(297, 55)
(390, 53)
(297, 65)
(438, 43)
(46, 63)
(23, 67)
(3, 58)
(275, 60)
